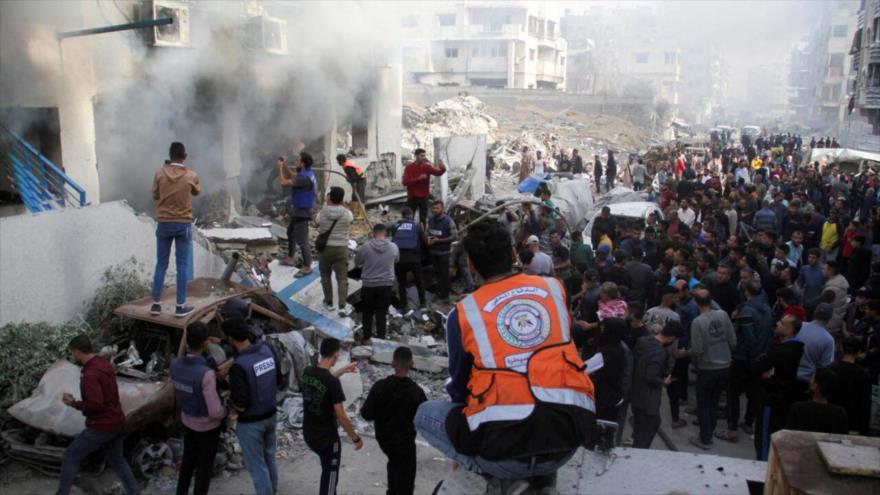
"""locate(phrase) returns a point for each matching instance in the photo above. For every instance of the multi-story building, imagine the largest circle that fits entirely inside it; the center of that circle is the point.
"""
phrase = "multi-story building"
(704, 87)
(511, 44)
(627, 53)
(861, 127)
(820, 68)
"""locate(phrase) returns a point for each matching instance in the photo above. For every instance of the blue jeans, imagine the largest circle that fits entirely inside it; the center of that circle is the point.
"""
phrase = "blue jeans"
(90, 441)
(181, 235)
(257, 441)
(430, 422)
(710, 383)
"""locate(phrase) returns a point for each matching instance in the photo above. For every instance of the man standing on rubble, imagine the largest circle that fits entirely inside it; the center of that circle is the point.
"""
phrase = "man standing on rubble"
(411, 241)
(173, 187)
(252, 383)
(442, 232)
(302, 201)
(201, 412)
(323, 412)
(357, 179)
(577, 162)
(526, 162)
(417, 179)
(334, 222)
(521, 403)
(377, 257)
(104, 418)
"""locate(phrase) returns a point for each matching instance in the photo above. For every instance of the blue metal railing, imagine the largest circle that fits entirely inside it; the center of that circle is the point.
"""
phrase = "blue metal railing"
(41, 184)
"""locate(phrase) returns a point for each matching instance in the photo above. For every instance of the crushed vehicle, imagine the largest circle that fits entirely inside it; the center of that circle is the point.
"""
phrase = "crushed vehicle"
(141, 347)
(630, 213)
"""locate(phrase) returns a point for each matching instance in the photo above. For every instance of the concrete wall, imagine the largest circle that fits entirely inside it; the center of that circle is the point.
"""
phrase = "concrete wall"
(52, 263)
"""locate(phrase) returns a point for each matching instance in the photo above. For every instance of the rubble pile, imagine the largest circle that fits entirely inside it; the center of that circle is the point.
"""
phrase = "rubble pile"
(453, 117)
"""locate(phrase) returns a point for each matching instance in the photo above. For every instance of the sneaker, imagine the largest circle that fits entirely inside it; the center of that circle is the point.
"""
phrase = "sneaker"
(182, 311)
(679, 423)
(155, 309)
(346, 310)
(747, 428)
(329, 307)
(727, 436)
(696, 442)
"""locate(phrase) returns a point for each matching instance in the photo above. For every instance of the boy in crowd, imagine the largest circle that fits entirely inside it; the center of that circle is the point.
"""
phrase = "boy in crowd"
(392, 404)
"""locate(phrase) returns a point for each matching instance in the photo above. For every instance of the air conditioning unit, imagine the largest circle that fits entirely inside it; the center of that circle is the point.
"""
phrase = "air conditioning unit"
(175, 34)
(268, 34)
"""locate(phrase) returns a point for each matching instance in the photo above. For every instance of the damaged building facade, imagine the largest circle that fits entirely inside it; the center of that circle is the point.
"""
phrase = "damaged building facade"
(497, 44)
(229, 79)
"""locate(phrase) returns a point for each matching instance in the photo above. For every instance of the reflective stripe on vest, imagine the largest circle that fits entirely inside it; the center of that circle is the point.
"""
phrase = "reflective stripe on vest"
(500, 413)
(518, 332)
(564, 396)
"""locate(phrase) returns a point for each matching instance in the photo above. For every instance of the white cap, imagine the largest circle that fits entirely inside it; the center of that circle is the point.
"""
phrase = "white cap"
(533, 239)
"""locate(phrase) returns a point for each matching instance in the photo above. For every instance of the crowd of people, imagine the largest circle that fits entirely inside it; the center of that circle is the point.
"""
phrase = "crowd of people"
(757, 277)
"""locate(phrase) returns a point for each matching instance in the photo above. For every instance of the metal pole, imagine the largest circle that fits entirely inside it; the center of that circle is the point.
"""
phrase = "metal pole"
(117, 27)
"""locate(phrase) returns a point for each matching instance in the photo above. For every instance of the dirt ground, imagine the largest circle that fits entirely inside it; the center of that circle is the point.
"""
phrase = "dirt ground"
(363, 472)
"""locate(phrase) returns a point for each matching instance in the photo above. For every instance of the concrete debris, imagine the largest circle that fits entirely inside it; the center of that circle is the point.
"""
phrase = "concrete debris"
(251, 222)
(292, 412)
(424, 358)
(457, 116)
(257, 240)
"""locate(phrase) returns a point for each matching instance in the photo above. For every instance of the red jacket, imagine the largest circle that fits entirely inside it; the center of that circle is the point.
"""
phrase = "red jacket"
(415, 187)
(100, 404)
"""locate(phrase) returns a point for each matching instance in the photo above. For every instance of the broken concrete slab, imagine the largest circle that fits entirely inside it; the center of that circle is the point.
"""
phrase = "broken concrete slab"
(424, 359)
(352, 385)
(256, 222)
(465, 159)
(304, 299)
(644, 471)
(253, 234)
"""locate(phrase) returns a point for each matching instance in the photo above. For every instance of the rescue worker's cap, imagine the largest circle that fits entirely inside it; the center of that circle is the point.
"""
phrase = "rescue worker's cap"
(235, 308)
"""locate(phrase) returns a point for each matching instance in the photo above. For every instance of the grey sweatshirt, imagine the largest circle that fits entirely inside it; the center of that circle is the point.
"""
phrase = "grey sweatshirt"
(712, 340)
(377, 257)
(340, 234)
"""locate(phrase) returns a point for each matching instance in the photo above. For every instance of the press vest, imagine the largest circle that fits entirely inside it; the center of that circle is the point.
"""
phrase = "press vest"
(518, 332)
(352, 165)
(405, 235)
(259, 368)
(305, 199)
(187, 373)
(441, 227)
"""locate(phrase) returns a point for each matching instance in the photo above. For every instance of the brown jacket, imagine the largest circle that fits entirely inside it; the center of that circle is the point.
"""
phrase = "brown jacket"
(172, 187)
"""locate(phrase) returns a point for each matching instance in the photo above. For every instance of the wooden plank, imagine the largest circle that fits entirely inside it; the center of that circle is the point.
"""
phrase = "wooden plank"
(845, 458)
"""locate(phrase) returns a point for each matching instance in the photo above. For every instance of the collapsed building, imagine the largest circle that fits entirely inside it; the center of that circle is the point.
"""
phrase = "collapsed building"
(228, 79)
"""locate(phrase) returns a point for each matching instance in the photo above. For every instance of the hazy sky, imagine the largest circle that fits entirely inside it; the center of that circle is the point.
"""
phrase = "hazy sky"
(756, 32)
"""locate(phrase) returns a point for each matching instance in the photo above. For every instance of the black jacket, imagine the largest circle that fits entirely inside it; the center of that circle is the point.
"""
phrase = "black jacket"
(650, 367)
(782, 388)
(392, 404)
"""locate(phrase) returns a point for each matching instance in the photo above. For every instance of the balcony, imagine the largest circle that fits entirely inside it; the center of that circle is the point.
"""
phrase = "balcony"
(499, 31)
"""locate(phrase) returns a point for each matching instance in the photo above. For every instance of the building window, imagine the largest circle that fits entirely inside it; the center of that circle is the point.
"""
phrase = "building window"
(532, 54)
(642, 57)
(409, 21)
(873, 75)
(446, 19)
(562, 61)
(877, 30)
(452, 53)
(669, 58)
(839, 31)
(475, 50)
(533, 25)
(551, 29)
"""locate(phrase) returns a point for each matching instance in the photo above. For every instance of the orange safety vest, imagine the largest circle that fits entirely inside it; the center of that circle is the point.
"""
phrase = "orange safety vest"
(518, 332)
(351, 164)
